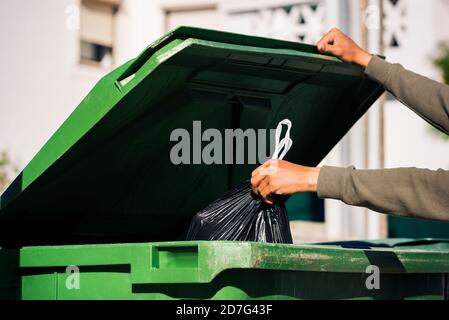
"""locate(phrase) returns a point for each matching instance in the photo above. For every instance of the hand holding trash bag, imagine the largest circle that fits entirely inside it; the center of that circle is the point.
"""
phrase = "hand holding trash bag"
(288, 179)
(242, 215)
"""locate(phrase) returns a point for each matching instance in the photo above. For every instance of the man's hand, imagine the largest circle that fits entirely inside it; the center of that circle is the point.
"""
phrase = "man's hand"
(340, 45)
(283, 178)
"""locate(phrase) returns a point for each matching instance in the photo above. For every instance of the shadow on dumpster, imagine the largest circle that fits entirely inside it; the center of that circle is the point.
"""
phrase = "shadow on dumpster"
(357, 244)
(244, 284)
(9, 280)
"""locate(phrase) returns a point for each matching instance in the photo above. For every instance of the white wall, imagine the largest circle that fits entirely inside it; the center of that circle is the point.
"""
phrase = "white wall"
(41, 82)
(409, 141)
(139, 23)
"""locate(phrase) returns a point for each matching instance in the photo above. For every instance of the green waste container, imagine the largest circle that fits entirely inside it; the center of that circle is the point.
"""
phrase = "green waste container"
(226, 270)
(105, 178)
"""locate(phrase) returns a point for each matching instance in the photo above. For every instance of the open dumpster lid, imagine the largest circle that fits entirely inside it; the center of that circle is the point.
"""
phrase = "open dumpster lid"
(106, 173)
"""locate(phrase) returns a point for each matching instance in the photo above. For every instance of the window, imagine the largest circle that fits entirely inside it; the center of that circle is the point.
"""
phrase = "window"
(202, 17)
(97, 31)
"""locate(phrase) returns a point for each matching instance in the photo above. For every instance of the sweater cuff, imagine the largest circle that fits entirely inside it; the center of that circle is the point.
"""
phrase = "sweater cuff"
(379, 70)
(330, 182)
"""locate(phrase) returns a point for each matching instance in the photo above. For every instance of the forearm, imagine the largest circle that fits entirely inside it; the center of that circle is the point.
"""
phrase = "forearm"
(409, 192)
(428, 98)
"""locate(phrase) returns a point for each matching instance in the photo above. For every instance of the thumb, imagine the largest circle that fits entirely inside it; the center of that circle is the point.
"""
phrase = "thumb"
(321, 46)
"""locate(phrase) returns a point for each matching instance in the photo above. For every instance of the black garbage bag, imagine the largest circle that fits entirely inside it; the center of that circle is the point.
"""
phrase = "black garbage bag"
(241, 215)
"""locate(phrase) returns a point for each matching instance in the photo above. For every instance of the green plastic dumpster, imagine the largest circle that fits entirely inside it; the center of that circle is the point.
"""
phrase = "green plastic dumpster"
(103, 197)
(225, 270)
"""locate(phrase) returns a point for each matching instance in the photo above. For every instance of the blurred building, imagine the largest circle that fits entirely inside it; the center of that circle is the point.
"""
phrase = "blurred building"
(54, 51)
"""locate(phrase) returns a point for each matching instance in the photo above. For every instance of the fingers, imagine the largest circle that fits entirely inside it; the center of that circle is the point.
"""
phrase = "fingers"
(261, 181)
(327, 39)
(261, 186)
(266, 192)
(256, 181)
(333, 50)
(260, 169)
(257, 171)
(266, 189)
(330, 43)
(261, 173)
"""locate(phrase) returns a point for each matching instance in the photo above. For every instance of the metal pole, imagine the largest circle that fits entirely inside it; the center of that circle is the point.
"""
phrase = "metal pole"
(365, 44)
(377, 223)
(384, 219)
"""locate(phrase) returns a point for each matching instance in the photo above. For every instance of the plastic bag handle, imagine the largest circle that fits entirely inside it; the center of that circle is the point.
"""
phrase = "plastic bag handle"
(282, 146)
